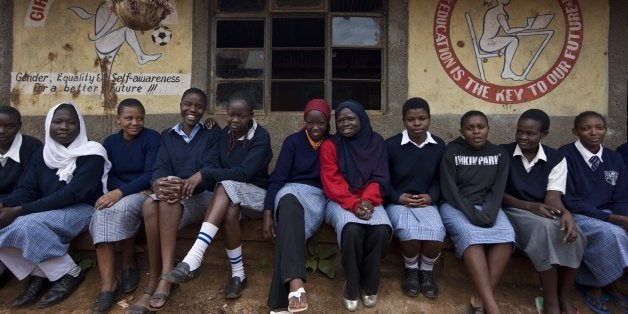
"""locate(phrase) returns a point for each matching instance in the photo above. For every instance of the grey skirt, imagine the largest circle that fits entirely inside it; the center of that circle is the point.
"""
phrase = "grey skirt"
(313, 201)
(245, 194)
(542, 240)
(338, 217)
(118, 222)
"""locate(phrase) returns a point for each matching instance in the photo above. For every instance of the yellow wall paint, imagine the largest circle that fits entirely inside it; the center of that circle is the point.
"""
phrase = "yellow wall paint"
(65, 45)
(585, 87)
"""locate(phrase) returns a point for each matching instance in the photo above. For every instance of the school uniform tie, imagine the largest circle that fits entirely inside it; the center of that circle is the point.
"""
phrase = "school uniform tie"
(595, 162)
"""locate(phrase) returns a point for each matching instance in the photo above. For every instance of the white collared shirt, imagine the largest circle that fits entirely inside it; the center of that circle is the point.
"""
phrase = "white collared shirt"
(405, 139)
(587, 154)
(249, 134)
(14, 150)
(178, 128)
(557, 179)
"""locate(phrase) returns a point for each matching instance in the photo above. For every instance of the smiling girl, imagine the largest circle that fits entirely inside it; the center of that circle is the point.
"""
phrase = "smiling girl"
(241, 180)
(596, 193)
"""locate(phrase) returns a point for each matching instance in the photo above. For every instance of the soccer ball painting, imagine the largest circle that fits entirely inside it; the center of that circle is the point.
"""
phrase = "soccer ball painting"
(161, 35)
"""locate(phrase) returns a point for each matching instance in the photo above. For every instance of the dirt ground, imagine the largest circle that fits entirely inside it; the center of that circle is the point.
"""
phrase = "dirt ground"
(205, 295)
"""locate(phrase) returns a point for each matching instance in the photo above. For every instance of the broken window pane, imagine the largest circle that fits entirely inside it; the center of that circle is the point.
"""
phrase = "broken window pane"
(304, 64)
(357, 5)
(292, 96)
(356, 63)
(241, 5)
(366, 93)
(355, 31)
(240, 34)
(298, 32)
(224, 91)
(240, 64)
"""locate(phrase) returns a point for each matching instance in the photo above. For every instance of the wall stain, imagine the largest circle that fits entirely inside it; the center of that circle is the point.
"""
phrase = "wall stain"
(460, 43)
(68, 48)
(52, 56)
(16, 92)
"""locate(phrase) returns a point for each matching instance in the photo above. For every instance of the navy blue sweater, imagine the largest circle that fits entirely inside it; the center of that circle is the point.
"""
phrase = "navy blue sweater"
(247, 162)
(414, 170)
(530, 186)
(298, 162)
(131, 162)
(40, 188)
(590, 192)
(12, 171)
(181, 159)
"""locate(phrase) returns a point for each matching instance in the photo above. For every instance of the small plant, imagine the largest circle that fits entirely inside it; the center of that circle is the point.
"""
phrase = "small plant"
(320, 259)
(83, 262)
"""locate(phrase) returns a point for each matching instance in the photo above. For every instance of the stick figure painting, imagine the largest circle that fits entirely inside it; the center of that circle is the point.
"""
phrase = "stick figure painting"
(499, 38)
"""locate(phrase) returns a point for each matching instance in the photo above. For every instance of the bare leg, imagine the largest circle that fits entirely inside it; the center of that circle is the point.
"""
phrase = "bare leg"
(151, 222)
(218, 206)
(431, 249)
(410, 248)
(106, 265)
(169, 217)
(127, 247)
(566, 279)
(476, 262)
(549, 279)
(231, 228)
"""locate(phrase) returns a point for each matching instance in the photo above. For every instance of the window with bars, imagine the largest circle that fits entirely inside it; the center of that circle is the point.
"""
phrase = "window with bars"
(286, 52)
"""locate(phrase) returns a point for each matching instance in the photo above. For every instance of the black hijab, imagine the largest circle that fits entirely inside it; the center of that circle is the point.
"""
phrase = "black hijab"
(362, 158)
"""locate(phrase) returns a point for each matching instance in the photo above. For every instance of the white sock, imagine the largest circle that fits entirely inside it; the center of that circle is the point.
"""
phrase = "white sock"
(237, 263)
(204, 238)
(38, 272)
(411, 262)
(428, 263)
(75, 271)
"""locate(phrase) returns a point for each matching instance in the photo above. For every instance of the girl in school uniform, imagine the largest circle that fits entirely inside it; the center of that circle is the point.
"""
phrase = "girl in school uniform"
(354, 172)
(413, 160)
(185, 149)
(118, 214)
(241, 181)
(53, 203)
(473, 176)
(16, 149)
(295, 207)
(596, 194)
(544, 228)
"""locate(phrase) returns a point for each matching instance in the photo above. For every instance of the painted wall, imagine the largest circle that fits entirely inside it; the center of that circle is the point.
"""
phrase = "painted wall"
(503, 59)
(80, 51)
(597, 79)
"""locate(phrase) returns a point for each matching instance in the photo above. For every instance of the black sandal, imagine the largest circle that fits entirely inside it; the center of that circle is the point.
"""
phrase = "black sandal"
(139, 309)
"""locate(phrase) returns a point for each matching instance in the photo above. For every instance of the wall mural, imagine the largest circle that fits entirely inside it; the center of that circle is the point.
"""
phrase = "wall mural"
(514, 50)
(125, 62)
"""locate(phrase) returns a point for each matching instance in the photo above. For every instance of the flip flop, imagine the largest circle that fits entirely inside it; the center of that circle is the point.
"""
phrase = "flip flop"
(475, 309)
(618, 299)
(165, 297)
(296, 294)
(595, 304)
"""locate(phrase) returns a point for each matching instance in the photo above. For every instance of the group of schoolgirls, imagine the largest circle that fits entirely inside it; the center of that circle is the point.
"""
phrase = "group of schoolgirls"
(566, 208)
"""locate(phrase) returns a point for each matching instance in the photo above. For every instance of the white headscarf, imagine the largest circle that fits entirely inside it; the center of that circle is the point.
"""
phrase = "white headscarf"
(57, 156)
